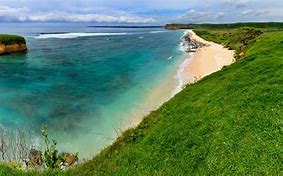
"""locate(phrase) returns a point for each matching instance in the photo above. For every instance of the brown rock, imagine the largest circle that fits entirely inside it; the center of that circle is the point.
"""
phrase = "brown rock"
(70, 160)
(35, 158)
(12, 48)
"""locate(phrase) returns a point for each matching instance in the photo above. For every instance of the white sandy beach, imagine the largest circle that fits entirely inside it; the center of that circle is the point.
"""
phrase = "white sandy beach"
(206, 60)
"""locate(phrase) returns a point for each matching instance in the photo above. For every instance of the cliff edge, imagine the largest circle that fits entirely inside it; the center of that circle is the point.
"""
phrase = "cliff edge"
(12, 44)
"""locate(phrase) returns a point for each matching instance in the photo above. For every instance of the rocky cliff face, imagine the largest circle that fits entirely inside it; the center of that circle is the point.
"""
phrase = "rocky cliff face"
(12, 48)
(12, 44)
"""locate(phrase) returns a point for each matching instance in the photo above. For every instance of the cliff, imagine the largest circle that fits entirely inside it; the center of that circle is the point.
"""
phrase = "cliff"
(12, 44)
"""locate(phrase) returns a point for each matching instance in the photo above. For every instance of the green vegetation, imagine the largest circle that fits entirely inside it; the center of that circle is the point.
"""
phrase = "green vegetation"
(229, 123)
(31, 159)
(51, 157)
(238, 36)
(263, 25)
(10, 39)
(239, 40)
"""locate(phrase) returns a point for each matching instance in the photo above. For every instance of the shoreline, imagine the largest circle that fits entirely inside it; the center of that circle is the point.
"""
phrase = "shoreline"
(208, 57)
(163, 92)
(204, 58)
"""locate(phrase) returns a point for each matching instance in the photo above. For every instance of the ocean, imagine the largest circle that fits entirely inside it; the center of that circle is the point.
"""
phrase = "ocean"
(87, 84)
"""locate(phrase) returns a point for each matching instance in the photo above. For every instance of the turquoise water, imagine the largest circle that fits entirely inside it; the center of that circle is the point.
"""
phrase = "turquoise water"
(87, 84)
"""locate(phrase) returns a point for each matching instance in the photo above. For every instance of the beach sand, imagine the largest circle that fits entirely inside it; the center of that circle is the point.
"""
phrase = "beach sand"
(206, 60)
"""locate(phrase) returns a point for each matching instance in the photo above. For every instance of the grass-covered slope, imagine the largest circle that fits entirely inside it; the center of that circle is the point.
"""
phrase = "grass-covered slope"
(229, 123)
(262, 25)
(10, 39)
(238, 39)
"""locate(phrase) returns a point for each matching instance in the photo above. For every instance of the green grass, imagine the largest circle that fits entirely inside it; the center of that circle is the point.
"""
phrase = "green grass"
(10, 39)
(239, 39)
(229, 123)
(263, 25)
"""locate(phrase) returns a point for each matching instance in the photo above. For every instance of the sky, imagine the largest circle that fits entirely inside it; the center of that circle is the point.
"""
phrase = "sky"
(151, 12)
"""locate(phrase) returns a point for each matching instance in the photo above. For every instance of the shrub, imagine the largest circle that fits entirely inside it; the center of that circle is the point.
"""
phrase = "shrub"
(10, 39)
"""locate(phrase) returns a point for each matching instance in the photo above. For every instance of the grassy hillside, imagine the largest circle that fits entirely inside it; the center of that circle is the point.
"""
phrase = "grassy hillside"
(263, 25)
(10, 39)
(229, 123)
(240, 39)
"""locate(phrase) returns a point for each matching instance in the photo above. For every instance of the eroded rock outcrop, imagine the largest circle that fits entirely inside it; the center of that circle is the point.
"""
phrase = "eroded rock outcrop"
(12, 44)
(189, 44)
(35, 158)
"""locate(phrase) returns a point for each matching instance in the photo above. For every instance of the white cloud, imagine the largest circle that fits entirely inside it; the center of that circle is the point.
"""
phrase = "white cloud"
(193, 15)
(75, 17)
(141, 11)
(237, 3)
(250, 12)
(220, 15)
(203, 16)
(24, 14)
(7, 13)
(247, 12)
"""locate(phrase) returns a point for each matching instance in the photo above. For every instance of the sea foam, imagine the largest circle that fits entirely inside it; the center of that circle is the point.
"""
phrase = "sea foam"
(75, 35)
(184, 44)
(181, 76)
(154, 32)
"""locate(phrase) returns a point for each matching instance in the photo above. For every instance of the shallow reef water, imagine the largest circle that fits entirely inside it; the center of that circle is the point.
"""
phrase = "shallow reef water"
(85, 83)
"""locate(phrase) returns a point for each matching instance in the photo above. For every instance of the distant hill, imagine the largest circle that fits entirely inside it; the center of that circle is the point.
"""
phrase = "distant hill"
(278, 25)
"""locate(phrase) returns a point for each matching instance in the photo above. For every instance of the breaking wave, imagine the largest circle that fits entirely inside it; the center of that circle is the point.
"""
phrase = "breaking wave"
(75, 35)
(154, 32)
